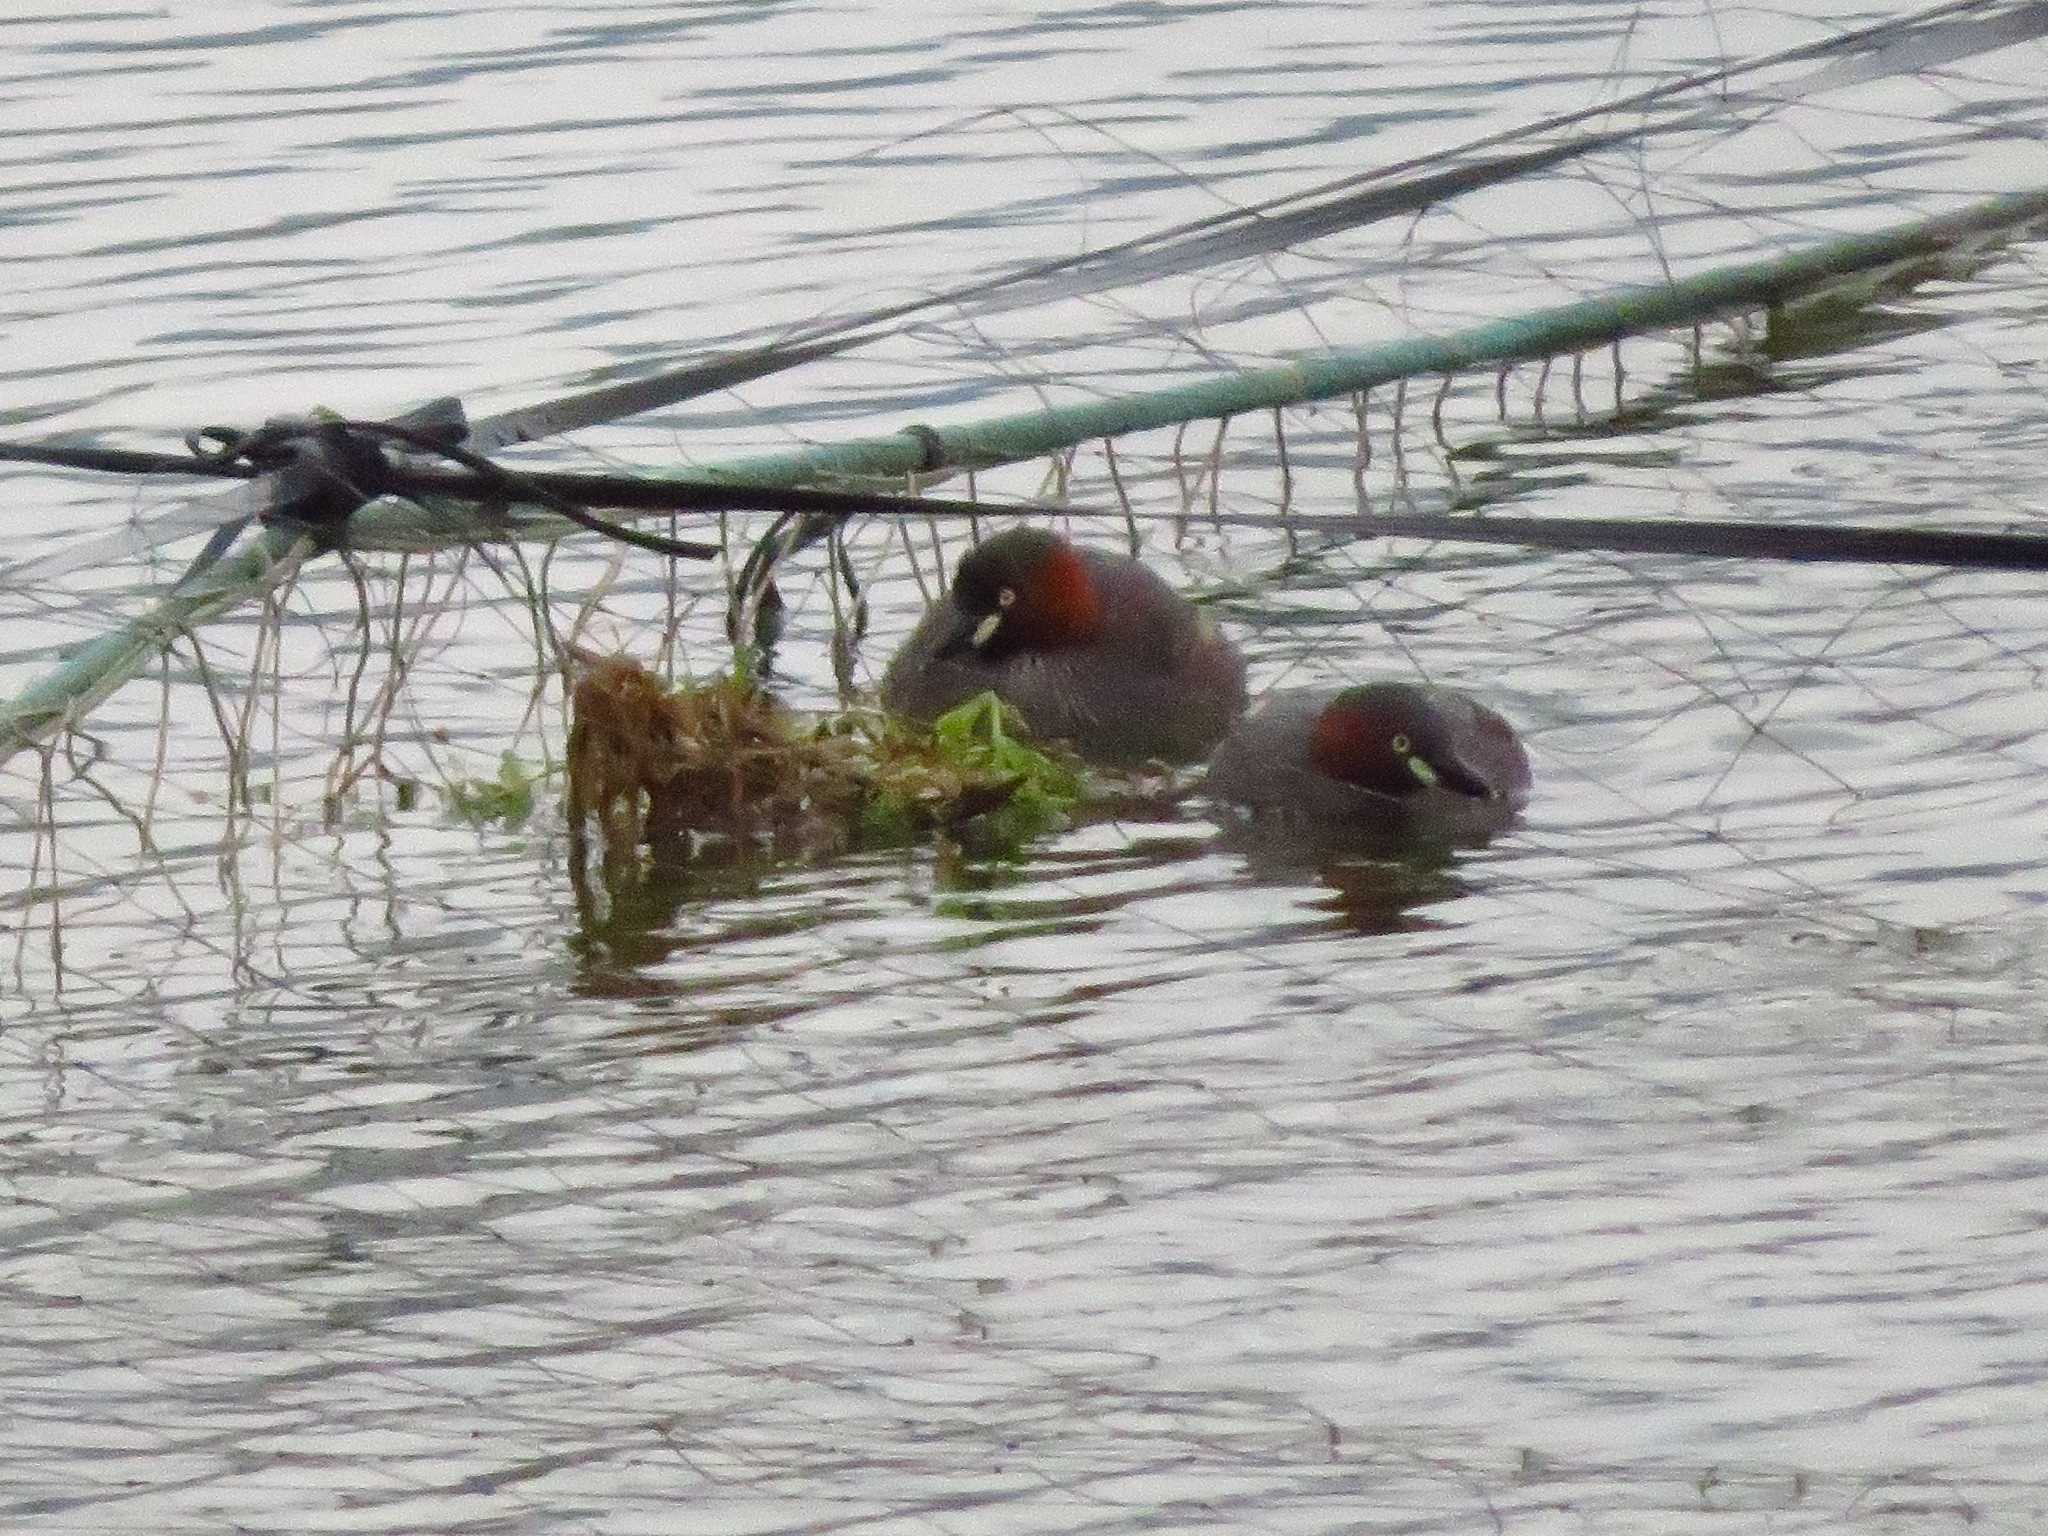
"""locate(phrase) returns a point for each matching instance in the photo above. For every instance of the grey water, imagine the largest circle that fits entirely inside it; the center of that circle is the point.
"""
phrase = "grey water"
(1675, 1163)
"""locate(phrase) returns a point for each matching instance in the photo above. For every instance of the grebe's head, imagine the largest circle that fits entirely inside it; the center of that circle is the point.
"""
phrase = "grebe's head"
(1023, 590)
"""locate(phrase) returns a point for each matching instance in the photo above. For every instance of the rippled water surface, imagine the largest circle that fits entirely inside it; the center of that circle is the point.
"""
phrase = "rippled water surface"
(1675, 1163)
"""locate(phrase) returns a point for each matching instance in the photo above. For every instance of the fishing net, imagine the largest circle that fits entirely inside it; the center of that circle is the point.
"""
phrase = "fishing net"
(365, 1176)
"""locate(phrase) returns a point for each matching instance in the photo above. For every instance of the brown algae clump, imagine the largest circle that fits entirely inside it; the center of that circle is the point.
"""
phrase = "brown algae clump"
(724, 760)
(720, 759)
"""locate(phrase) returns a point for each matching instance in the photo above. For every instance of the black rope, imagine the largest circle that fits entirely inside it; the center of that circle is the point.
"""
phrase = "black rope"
(329, 468)
(325, 470)
(319, 476)
(505, 485)
(119, 461)
(1789, 543)
(640, 493)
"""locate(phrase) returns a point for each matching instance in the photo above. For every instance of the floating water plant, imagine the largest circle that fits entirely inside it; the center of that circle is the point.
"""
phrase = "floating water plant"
(973, 766)
(507, 796)
(723, 760)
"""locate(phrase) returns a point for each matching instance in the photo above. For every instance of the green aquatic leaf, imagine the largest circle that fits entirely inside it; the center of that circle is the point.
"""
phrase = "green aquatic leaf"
(508, 797)
(995, 788)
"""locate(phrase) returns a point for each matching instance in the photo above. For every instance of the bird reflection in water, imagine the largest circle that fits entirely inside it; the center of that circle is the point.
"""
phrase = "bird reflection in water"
(1369, 884)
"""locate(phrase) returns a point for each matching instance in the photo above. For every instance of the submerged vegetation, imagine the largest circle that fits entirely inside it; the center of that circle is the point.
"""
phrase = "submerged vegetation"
(723, 760)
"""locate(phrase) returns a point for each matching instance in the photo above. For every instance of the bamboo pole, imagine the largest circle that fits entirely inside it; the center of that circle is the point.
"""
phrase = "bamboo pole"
(97, 669)
(1576, 327)
(91, 674)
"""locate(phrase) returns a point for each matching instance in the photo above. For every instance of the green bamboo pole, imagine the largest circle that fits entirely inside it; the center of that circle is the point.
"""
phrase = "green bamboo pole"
(1575, 327)
(95, 671)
